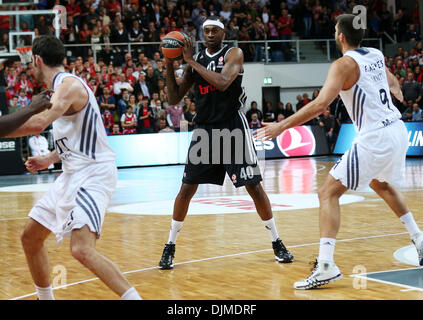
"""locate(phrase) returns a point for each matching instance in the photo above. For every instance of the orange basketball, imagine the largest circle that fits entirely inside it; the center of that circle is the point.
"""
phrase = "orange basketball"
(172, 45)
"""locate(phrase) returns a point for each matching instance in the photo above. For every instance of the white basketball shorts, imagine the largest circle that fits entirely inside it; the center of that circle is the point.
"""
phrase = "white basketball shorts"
(77, 199)
(378, 154)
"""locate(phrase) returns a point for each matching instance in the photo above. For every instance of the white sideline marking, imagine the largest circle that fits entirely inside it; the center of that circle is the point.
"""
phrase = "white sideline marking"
(219, 257)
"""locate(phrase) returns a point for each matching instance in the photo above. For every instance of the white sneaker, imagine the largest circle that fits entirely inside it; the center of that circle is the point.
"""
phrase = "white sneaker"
(323, 273)
(418, 242)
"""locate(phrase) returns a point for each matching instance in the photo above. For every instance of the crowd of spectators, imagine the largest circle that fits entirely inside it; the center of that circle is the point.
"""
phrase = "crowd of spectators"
(131, 86)
(132, 98)
(97, 22)
(407, 65)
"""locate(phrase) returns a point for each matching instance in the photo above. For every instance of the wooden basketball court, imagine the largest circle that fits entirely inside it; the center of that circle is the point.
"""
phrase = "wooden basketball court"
(223, 250)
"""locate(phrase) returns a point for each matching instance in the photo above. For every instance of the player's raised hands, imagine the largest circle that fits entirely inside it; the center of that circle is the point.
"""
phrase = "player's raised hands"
(41, 101)
(168, 61)
(188, 50)
(270, 130)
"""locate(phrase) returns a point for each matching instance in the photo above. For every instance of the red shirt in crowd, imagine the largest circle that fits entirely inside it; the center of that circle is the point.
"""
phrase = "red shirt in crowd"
(125, 67)
(4, 22)
(127, 119)
(10, 93)
(105, 77)
(108, 120)
(71, 10)
(113, 6)
(28, 84)
(131, 79)
(147, 123)
(287, 28)
(110, 86)
(11, 80)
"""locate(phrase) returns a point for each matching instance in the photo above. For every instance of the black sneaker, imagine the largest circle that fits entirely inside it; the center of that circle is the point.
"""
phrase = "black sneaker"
(281, 253)
(166, 262)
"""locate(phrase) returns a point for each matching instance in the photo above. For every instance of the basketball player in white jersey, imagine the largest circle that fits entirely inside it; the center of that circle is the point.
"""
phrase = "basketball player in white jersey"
(377, 155)
(75, 205)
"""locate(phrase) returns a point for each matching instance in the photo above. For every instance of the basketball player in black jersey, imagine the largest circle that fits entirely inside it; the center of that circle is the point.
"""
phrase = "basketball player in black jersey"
(216, 73)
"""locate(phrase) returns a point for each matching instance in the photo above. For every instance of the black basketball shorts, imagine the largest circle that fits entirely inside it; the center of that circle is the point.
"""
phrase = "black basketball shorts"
(222, 148)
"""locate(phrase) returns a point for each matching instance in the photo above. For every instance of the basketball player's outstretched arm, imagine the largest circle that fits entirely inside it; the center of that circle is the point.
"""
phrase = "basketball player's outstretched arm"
(394, 85)
(10, 122)
(233, 66)
(69, 97)
(341, 76)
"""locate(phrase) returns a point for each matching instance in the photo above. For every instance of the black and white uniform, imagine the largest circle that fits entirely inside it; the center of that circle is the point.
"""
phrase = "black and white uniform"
(222, 141)
(80, 195)
(380, 148)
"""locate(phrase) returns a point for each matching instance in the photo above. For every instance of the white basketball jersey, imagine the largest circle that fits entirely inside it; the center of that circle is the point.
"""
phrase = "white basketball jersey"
(80, 139)
(369, 102)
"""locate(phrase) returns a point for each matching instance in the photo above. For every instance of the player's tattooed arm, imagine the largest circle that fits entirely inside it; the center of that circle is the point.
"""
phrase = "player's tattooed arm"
(176, 91)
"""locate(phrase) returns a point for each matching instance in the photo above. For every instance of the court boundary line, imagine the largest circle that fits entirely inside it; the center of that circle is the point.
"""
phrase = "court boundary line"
(214, 258)
(407, 287)
(10, 219)
(384, 271)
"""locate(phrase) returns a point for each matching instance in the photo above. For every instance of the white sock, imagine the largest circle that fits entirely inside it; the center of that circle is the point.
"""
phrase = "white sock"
(131, 294)
(175, 227)
(45, 293)
(271, 227)
(409, 222)
(327, 248)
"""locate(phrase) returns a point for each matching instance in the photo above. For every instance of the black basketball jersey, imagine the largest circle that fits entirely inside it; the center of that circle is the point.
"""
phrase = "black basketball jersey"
(214, 106)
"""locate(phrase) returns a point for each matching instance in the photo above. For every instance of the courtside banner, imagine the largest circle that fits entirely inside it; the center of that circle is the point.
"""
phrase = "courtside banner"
(415, 138)
(172, 147)
(295, 142)
(10, 156)
(150, 149)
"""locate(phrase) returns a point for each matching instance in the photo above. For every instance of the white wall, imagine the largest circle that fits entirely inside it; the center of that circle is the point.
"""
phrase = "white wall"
(252, 82)
(293, 78)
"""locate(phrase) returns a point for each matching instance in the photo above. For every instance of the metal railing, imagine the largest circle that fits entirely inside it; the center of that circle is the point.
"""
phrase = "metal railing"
(388, 36)
(297, 50)
(264, 51)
